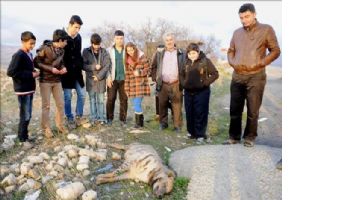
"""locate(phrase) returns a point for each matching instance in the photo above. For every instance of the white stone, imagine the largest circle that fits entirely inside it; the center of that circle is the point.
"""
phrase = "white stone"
(72, 153)
(87, 152)
(15, 168)
(32, 195)
(35, 159)
(91, 140)
(101, 145)
(9, 180)
(53, 173)
(72, 136)
(101, 154)
(71, 191)
(44, 155)
(116, 156)
(4, 170)
(89, 195)
(10, 188)
(86, 173)
(63, 162)
(25, 167)
(33, 184)
(83, 163)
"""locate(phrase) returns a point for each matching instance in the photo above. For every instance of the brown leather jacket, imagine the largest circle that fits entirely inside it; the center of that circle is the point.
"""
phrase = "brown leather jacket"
(247, 51)
(47, 58)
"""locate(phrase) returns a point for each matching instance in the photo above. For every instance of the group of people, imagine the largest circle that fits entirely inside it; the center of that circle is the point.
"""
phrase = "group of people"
(181, 75)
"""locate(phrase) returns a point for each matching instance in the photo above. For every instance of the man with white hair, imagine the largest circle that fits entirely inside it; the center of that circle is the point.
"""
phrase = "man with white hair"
(166, 72)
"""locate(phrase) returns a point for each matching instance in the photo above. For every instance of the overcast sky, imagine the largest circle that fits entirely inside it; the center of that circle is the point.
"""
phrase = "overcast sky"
(203, 17)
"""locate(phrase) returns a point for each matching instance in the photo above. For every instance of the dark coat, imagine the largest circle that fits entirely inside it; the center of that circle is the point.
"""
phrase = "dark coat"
(73, 61)
(20, 69)
(89, 67)
(157, 66)
(199, 74)
(48, 58)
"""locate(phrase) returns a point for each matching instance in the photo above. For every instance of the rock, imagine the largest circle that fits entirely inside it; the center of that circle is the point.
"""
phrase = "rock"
(101, 145)
(25, 167)
(86, 125)
(24, 187)
(87, 152)
(44, 155)
(33, 184)
(89, 195)
(8, 143)
(21, 179)
(83, 163)
(57, 148)
(35, 159)
(45, 179)
(53, 173)
(86, 173)
(33, 173)
(32, 195)
(9, 189)
(15, 168)
(71, 191)
(72, 153)
(63, 162)
(91, 140)
(58, 168)
(101, 154)
(70, 164)
(116, 156)
(69, 147)
(4, 170)
(72, 136)
(9, 180)
(49, 166)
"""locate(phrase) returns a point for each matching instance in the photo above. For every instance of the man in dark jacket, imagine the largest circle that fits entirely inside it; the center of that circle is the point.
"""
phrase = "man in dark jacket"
(247, 55)
(74, 78)
(166, 72)
(23, 74)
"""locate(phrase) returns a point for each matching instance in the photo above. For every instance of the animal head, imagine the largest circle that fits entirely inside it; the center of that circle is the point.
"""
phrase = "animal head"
(163, 183)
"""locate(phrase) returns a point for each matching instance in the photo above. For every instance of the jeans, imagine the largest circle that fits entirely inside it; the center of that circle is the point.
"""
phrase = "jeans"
(197, 107)
(249, 88)
(25, 106)
(79, 102)
(137, 105)
(97, 106)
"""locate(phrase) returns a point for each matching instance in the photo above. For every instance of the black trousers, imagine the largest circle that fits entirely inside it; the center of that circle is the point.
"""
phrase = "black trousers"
(249, 88)
(196, 108)
(117, 87)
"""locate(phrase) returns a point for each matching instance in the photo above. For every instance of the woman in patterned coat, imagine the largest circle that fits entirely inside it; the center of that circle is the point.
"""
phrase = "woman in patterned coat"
(136, 81)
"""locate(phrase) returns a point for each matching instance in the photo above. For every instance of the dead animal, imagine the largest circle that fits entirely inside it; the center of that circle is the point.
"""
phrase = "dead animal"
(142, 163)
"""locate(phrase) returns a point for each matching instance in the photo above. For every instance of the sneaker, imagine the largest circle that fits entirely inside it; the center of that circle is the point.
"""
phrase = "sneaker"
(71, 124)
(26, 145)
(200, 140)
(231, 141)
(80, 120)
(48, 133)
(248, 143)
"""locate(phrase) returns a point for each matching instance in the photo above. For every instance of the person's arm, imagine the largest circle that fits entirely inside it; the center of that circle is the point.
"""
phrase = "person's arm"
(14, 70)
(154, 66)
(39, 61)
(105, 65)
(145, 67)
(231, 52)
(272, 46)
(212, 73)
(87, 66)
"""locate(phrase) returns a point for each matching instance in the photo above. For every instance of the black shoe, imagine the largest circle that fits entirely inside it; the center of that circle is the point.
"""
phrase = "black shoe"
(109, 122)
(163, 126)
(177, 130)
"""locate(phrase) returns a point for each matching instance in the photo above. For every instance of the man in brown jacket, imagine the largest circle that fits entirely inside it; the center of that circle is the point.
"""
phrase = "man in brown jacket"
(247, 55)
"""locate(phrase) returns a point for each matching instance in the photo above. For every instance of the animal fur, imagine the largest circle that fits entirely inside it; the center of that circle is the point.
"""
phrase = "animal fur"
(142, 163)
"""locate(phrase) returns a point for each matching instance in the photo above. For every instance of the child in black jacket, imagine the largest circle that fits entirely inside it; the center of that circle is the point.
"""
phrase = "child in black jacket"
(23, 74)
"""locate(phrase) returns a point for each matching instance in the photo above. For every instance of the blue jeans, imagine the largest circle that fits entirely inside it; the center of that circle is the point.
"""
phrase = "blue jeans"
(25, 106)
(97, 106)
(137, 105)
(79, 102)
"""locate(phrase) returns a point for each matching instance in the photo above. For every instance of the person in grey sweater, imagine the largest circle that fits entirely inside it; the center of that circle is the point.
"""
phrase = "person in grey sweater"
(96, 65)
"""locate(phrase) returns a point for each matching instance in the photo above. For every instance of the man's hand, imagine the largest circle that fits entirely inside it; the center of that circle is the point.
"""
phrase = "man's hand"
(136, 72)
(35, 74)
(98, 67)
(95, 78)
(63, 71)
(55, 71)
(241, 69)
(109, 82)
